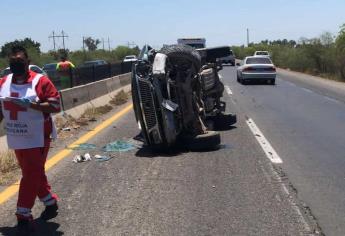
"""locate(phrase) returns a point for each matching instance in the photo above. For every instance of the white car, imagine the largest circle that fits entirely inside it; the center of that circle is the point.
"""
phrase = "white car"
(33, 68)
(130, 58)
(262, 54)
(256, 68)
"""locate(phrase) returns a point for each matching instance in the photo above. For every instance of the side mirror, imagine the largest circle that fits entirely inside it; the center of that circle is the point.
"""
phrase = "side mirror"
(238, 64)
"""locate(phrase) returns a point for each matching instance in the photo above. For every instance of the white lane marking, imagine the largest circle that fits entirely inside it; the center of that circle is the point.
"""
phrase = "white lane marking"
(307, 90)
(290, 83)
(331, 99)
(228, 90)
(265, 145)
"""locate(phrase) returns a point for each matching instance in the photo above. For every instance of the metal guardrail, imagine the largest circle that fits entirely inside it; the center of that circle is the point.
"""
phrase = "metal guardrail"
(87, 74)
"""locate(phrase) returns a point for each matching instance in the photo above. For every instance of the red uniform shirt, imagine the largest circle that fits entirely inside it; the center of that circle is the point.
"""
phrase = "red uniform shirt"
(46, 92)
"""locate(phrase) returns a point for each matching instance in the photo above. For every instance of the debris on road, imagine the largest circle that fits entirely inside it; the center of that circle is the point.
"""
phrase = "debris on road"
(84, 146)
(101, 158)
(118, 146)
(82, 158)
(66, 129)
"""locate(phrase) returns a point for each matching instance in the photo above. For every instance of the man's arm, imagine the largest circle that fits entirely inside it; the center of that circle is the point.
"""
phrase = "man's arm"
(49, 97)
(45, 107)
(72, 65)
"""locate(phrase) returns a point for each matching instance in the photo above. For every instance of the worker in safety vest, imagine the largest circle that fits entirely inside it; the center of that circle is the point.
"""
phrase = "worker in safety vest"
(64, 69)
(27, 101)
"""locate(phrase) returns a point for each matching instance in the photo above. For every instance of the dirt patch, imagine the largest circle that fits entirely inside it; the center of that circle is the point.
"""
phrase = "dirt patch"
(120, 98)
(9, 168)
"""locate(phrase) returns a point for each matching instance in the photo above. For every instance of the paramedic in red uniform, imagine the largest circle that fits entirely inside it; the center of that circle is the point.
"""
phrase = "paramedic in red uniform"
(27, 101)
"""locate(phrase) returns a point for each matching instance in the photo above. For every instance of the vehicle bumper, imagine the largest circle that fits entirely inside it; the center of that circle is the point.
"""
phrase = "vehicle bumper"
(258, 76)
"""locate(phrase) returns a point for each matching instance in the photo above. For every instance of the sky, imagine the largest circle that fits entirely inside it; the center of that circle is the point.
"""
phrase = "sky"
(158, 22)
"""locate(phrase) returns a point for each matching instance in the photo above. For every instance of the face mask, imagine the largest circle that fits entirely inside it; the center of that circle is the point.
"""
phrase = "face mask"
(18, 67)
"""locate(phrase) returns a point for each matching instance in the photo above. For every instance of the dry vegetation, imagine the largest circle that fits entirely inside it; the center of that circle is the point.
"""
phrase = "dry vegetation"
(120, 98)
(8, 167)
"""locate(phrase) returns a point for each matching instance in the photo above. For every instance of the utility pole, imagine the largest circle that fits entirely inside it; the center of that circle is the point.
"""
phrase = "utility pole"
(247, 37)
(103, 43)
(63, 39)
(108, 44)
(63, 36)
(53, 36)
(131, 44)
(83, 44)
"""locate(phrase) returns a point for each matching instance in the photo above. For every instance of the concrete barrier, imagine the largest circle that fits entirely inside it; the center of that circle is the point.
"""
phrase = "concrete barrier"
(73, 97)
(98, 89)
(125, 79)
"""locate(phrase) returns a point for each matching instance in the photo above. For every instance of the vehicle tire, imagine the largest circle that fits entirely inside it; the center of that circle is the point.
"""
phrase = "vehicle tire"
(224, 120)
(271, 81)
(207, 141)
(179, 54)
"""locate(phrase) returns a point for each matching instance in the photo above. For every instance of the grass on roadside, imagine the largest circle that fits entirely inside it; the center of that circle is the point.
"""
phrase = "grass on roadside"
(120, 98)
(9, 168)
(93, 112)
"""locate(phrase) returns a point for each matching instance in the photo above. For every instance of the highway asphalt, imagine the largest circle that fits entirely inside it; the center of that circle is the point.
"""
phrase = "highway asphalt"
(235, 190)
(303, 119)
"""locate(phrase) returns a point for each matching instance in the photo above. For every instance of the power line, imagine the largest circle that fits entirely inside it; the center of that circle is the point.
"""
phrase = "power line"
(63, 36)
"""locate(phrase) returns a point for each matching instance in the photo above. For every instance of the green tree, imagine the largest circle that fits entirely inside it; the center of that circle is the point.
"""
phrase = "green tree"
(122, 51)
(91, 43)
(27, 43)
(340, 48)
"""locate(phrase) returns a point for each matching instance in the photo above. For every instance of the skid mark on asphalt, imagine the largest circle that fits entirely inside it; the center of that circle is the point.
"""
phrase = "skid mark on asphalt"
(265, 145)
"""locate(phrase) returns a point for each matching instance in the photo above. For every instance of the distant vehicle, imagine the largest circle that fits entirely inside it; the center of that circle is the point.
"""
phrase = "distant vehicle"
(256, 68)
(262, 54)
(229, 59)
(94, 63)
(50, 69)
(193, 42)
(33, 68)
(130, 58)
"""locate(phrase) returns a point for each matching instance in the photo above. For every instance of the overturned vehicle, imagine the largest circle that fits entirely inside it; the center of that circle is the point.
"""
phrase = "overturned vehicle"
(176, 96)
